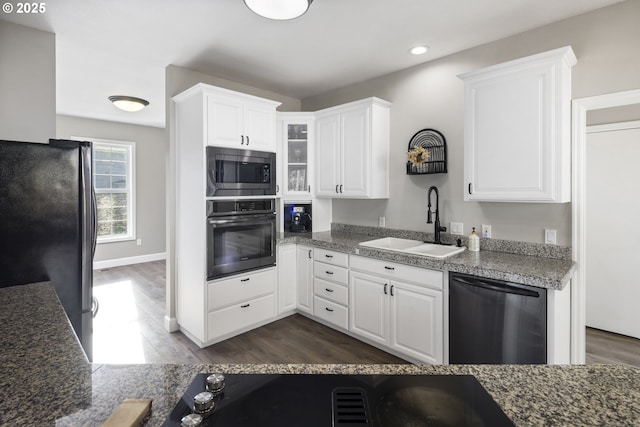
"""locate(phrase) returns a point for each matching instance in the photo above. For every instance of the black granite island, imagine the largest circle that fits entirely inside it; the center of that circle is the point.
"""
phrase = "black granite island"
(46, 380)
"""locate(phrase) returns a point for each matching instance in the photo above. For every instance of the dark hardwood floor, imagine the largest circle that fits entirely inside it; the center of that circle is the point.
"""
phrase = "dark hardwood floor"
(129, 328)
(609, 348)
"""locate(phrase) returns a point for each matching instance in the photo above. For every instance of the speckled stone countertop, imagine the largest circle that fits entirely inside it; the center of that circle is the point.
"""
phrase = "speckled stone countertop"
(46, 379)
(540, 271)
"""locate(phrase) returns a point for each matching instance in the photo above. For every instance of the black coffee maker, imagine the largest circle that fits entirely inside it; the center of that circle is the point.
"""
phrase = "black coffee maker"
(297, 217)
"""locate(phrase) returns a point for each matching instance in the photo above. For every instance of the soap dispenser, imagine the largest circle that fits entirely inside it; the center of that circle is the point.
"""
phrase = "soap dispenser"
(474, 241)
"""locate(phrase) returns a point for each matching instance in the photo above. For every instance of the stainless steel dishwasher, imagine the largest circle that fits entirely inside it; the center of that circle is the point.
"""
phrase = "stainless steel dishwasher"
(493, 322)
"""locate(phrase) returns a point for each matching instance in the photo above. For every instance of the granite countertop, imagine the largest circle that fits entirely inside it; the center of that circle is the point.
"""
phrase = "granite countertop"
(540, 271)
(46, 380)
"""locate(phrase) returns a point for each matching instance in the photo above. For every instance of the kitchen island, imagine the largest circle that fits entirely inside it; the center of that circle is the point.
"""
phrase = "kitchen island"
(46, 380)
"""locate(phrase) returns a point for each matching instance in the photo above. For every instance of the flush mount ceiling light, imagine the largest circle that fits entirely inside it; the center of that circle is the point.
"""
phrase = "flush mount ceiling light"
(128, 103)
(278, 9)
(419, 50)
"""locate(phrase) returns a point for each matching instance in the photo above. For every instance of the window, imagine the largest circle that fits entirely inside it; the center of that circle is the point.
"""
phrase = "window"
(113, 179)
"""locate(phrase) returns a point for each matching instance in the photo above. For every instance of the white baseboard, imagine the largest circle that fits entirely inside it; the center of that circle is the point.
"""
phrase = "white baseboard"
(171, 324)
(97, 265)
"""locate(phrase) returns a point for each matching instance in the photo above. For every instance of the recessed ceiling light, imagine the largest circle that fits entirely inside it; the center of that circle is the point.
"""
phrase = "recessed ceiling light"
(278, 9)
(128, 103)
(419, 50)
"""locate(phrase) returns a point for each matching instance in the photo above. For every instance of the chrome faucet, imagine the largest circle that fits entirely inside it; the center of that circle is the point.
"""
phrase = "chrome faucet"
(436, 227)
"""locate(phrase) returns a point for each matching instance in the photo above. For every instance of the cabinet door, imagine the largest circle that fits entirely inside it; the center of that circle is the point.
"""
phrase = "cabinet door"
(304, 274)
(368, 309)
(259, 127)
(286, 278)
(224, 122)
(297, 157)
(355, 152)
(328, 156)
(416, 321)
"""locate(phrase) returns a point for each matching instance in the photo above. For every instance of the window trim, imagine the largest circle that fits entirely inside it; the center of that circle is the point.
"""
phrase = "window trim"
(131, 184)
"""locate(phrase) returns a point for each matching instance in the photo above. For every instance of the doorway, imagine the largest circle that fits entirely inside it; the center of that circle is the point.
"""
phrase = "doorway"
(579, 208)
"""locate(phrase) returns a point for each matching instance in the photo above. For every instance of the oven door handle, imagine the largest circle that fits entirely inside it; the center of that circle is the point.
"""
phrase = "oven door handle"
(241, 219)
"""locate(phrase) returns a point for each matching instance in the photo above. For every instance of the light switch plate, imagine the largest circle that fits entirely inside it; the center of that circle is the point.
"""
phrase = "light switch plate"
(457, 228)
(550, 236)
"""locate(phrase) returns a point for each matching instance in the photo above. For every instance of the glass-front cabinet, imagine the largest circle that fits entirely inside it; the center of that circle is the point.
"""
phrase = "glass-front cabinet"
(296, 130)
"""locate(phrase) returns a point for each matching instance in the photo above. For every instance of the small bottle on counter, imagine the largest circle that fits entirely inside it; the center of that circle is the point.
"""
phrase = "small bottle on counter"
(474, 241)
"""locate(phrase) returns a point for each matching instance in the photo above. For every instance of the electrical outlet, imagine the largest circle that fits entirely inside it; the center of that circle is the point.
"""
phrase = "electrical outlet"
(382, 221)
(457, 228)
(550, 236)
(486, 231)
(139, 242)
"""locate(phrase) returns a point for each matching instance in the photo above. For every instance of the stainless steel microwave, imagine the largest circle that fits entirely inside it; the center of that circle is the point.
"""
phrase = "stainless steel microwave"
(233, 172)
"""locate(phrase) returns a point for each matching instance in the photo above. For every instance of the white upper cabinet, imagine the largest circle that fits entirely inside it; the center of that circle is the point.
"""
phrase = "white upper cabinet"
(296, 154)
(234, 119)
(352, 150)
(517, 145)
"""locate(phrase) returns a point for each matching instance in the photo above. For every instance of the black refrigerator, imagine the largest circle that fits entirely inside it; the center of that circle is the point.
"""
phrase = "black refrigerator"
(48, 224)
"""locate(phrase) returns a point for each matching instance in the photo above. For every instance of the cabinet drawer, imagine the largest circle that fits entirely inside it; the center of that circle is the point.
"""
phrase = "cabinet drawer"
(331, 312)
(331, 272)
(420, 276)
(330, 291)
(331, 257)
(240, 288)
(238, 316)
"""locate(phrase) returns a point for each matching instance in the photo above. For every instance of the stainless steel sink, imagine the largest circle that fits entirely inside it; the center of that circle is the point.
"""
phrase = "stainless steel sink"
(415, 247)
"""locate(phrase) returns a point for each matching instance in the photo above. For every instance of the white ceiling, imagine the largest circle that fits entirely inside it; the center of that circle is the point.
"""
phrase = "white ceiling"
(121, 47)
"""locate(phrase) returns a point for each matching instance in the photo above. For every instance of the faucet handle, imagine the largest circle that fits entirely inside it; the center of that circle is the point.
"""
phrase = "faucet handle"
(429, 220)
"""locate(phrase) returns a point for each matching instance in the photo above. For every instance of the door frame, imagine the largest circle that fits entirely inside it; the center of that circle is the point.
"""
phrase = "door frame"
(580, 107)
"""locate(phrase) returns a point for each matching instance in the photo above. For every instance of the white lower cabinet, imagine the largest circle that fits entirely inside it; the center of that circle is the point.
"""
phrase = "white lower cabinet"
(287, 286)
(406, 317)
(304, 278)
(330, 287)
(240, 303)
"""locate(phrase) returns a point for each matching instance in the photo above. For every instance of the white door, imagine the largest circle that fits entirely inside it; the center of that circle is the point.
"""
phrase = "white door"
(286, 278)
(259, 127)
(355, 152)
(368, 310)
(612, 230)
(328, 156)
(304, 272)
(224, 122)
(416, 321)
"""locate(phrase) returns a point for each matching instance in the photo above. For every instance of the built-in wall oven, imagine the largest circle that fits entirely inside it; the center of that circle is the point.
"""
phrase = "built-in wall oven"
(241, 236)
(233, 172)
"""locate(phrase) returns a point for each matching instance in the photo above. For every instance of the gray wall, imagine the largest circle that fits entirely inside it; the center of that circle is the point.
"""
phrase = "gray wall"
(150, 181)
(431, 96)
(27, 83)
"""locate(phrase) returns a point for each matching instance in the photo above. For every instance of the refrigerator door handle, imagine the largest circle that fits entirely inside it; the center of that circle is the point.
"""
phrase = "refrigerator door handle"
(95, 306)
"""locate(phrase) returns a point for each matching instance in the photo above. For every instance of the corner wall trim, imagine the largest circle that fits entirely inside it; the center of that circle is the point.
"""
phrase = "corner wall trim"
(97, 265)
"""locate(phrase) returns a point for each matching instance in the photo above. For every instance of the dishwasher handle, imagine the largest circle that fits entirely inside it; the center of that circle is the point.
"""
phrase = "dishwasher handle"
(497, 286)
